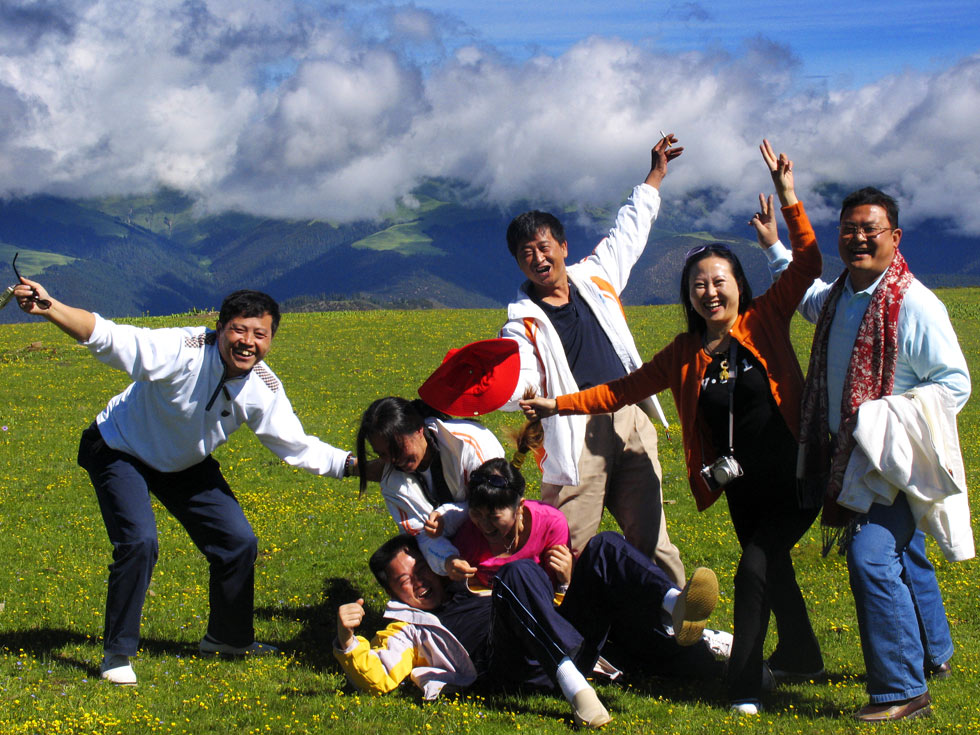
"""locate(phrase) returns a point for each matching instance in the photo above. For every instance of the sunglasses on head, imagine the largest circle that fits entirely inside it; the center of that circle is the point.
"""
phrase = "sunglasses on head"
(491, 479)
(35, 297)
(697, 250)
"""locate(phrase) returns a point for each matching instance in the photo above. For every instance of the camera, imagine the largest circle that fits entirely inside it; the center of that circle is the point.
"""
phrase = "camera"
(721, 472)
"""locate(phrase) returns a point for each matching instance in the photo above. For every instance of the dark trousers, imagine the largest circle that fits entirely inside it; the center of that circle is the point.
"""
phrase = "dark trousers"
(615, 595)
(201, 501)
(768, 524)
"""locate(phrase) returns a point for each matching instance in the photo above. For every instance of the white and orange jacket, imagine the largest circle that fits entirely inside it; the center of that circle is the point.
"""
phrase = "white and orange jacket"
(416, 645)
(600, 279)
(463, 446)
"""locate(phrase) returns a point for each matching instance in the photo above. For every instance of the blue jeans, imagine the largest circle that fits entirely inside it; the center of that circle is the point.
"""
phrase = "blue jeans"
(920, 576)
(200, 499)
(889, 607)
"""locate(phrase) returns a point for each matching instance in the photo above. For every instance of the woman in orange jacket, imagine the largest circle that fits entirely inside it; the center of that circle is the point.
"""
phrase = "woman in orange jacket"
(737, 385)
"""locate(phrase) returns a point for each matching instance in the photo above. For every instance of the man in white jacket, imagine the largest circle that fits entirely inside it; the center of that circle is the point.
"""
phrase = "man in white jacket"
(192, 388)
(572, 332)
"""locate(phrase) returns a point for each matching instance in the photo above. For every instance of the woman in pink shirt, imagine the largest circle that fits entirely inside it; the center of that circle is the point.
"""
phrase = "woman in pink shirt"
(503, 526)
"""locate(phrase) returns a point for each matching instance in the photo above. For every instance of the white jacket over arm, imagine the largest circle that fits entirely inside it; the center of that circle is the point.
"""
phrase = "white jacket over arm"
(909, 443)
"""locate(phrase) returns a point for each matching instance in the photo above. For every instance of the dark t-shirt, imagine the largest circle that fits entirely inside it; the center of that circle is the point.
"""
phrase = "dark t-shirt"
(467, 616)
(590, 354)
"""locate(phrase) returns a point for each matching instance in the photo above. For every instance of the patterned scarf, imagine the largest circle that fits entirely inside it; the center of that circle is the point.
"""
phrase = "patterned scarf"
(870, 375)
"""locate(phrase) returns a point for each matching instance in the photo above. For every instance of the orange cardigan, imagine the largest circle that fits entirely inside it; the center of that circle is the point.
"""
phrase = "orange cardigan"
(763, 329)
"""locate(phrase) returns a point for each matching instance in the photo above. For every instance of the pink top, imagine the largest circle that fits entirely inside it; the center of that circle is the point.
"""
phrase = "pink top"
(548, 528)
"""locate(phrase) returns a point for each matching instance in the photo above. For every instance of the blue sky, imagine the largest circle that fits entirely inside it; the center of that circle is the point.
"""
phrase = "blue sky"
(334, 109)
(845, 43)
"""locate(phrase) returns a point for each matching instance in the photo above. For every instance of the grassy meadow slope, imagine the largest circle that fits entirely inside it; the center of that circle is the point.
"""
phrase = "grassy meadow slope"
(314, 537)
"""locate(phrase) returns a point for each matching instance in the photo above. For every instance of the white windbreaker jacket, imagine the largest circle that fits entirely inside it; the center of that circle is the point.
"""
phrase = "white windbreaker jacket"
(600, 279)
(179, 408)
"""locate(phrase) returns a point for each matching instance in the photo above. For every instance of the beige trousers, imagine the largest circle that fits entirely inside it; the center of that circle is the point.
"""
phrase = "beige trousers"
(619, 470)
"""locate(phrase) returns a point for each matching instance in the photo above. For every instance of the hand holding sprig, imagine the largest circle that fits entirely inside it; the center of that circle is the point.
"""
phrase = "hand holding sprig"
(662, 153)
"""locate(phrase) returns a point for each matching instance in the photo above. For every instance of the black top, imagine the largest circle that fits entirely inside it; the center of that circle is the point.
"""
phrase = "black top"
(438, 492)
(590, 354)
(760, 431)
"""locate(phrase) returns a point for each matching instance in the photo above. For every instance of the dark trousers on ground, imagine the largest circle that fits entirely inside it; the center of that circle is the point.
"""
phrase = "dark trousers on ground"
(201, 501)
(616, 594)
(768, 525)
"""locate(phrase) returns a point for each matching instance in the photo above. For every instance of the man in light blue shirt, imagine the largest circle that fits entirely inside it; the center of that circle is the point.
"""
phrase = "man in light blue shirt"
(893, 582)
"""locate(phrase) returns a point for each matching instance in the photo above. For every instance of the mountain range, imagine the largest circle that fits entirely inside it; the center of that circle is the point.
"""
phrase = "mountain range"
(156, 254)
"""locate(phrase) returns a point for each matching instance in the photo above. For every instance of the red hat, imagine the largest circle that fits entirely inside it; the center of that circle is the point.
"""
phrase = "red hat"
(475, 379)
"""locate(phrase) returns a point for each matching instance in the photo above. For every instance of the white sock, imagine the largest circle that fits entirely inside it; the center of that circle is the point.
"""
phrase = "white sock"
(570, 680)
(669, 599)
(114, 661)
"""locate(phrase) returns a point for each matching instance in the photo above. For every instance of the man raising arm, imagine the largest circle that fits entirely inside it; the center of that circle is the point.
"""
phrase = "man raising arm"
(572, 332)
(192, 388)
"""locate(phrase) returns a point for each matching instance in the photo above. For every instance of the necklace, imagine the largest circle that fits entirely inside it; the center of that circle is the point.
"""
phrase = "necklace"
(721, 343)
(518, 527)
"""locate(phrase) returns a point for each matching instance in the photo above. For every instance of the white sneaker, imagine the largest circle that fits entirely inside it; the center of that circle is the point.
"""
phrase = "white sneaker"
(210, 644)
(747, 707)
(605, 668)
(122, 676)
(719, 643)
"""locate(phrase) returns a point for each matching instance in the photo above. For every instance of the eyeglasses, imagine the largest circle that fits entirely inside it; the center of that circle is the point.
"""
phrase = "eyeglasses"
(869, 231)
(697, 250)
(35, 296)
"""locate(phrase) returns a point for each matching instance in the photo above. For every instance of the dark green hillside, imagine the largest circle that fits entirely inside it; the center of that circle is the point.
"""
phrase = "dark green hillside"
(442, 246)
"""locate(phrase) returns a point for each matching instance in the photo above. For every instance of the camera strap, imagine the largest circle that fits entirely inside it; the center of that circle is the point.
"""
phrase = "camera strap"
(732, 376)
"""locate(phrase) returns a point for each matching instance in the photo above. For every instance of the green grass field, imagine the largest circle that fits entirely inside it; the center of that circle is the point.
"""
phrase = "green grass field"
(314, 538)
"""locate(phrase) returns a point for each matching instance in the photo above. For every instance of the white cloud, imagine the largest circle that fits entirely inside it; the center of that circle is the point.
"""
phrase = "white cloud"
(124, 97)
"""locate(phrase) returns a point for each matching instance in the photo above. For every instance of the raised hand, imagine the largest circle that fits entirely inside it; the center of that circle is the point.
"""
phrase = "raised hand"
(32, 297)
(764, 222)
(538, 408)
(781, 169)
(663, 152)
(349, 616)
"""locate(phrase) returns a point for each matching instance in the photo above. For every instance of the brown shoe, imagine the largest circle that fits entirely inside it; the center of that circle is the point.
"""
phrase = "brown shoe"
(692, 608)
(943, 671)
(902, 710)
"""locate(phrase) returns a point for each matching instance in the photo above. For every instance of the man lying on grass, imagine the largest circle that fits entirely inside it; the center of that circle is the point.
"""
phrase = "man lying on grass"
(443, 635)
(192, 388)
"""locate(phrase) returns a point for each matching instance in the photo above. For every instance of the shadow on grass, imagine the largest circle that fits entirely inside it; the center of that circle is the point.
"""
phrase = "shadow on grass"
(313, 645)
(45, 644)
